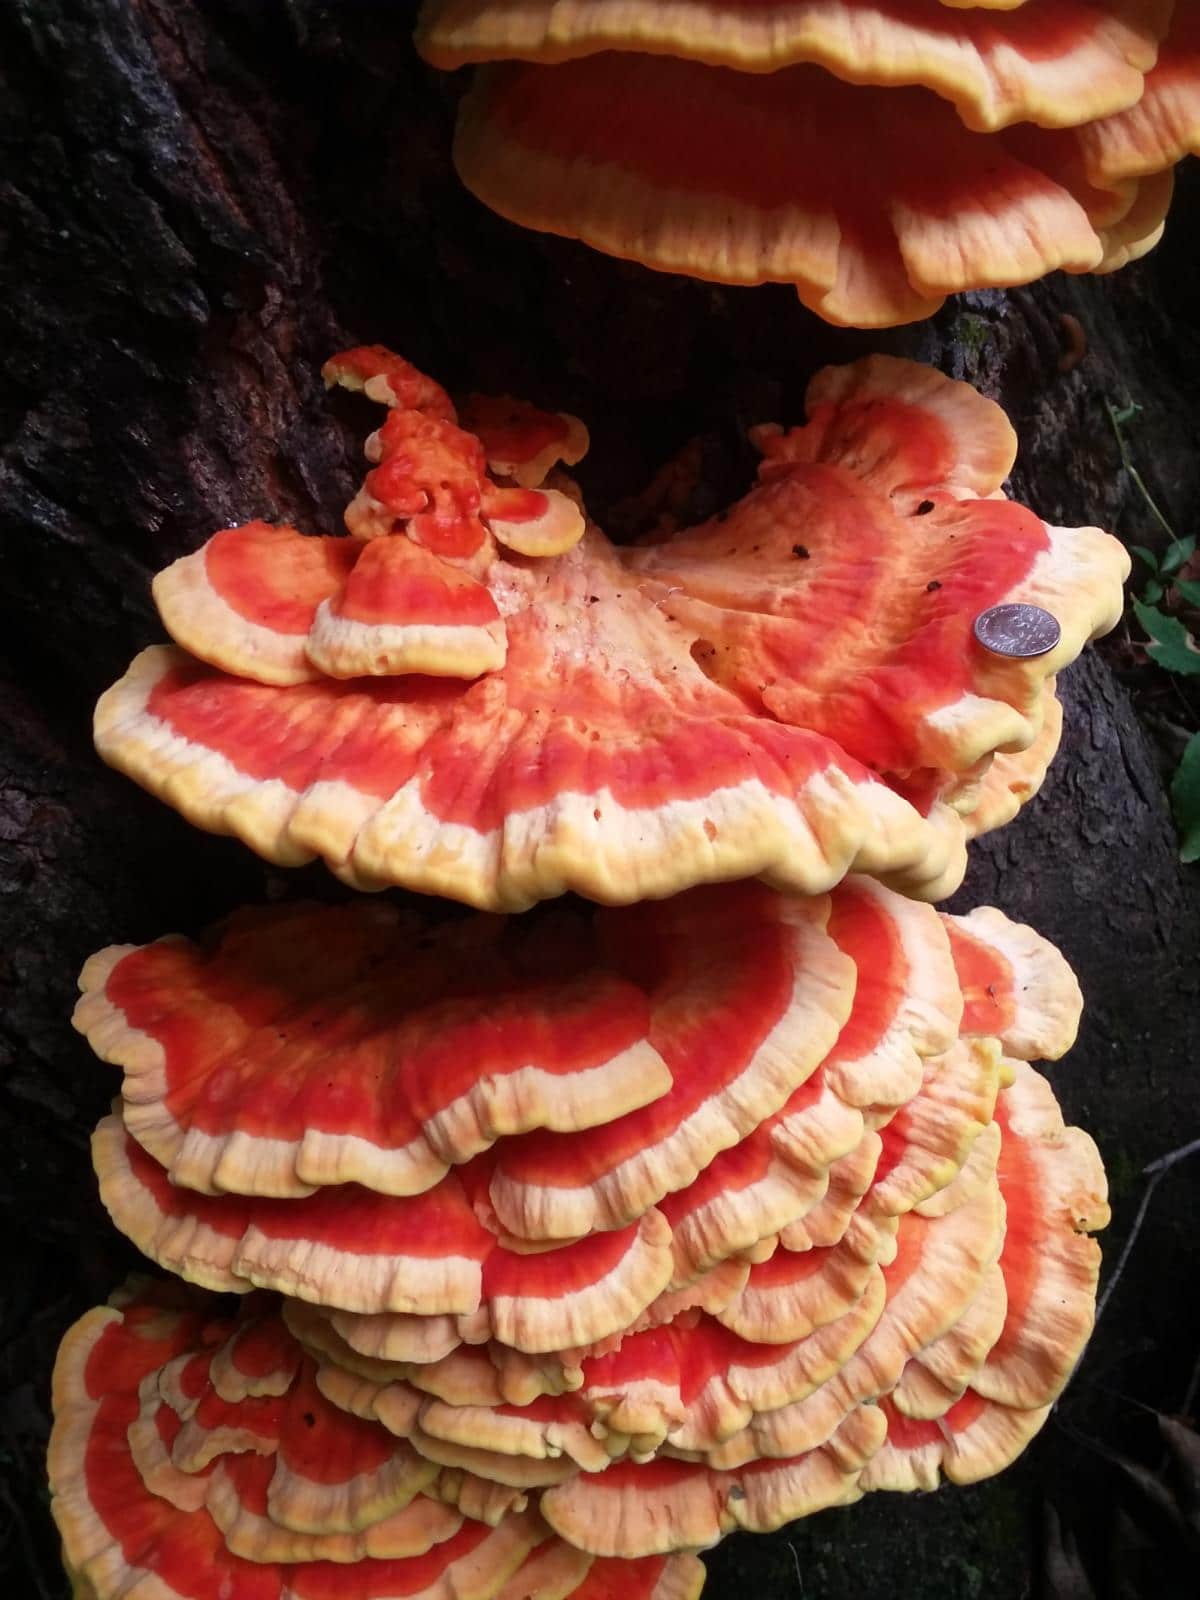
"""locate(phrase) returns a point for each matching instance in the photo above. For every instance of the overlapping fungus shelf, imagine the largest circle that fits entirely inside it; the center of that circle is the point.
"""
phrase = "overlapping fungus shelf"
(793, 690)
(868, 1222)
(879, 154)
(260, 1453)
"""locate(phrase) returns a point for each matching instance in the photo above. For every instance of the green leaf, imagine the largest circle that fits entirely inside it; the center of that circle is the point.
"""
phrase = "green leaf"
(1189, 589)
(1147, 556)
(1173, 648)
(1152, 592)
(1182, 550)
(1185, 800)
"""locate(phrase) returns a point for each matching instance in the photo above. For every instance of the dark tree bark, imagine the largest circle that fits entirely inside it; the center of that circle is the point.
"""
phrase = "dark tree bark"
(200, 201)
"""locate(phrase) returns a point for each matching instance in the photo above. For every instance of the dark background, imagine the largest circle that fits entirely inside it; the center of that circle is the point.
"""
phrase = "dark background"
(198, 203)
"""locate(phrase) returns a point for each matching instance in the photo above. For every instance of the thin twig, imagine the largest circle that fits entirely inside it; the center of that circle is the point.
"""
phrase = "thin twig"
(1097, 1446)
(1172, 1158)
(1189, 1395)
(1136, 477)
(1156, 1171)
(796, 1559)
(1117, 1394)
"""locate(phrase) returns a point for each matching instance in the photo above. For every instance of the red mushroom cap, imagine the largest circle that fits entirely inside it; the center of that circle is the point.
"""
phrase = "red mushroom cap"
(677, 1027)
(688, 1386)
(981, 1392)
(828, 155)
(1164, 125)
(403, 609)
(422, 1255)
(637, 1509)
(520, 441)
(929, 1305)
(794, 1292)
(724, 704)
(387, 378)
(1016, 986)
(247, 600)
(789, 992)
(1059, 64)
(406, 1049)
(876, 233)
(1055, 1192)
(116, 1527)
(928, 1140)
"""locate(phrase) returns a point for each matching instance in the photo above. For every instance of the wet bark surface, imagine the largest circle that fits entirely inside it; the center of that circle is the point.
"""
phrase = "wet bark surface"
(199, 202)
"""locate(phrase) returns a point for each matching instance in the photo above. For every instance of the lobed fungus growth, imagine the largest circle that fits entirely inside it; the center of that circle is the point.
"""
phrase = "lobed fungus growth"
(462, 702)
(171, 1463)
(749, 1205)
(879, 154)
(568, 1244)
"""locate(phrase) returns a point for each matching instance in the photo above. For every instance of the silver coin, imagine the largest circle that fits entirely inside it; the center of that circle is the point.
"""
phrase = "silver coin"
(1017, 631)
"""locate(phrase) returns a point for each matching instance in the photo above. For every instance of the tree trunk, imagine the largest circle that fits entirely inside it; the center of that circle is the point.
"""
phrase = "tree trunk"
(201, 201)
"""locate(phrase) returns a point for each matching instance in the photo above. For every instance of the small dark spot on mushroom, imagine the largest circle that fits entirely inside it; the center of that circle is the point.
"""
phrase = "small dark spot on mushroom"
(309, 1420)
(596, 814)
(801, 552)
(932, 586)
(592, 598)
(704, 654)
(710, 829)
(924, 508)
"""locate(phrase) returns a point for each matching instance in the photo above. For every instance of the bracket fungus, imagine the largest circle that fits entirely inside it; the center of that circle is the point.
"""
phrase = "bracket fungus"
(442, 705)
(268, 604)
(272, 1506)
(846, 1250)
(567, 1244)
(878, 154)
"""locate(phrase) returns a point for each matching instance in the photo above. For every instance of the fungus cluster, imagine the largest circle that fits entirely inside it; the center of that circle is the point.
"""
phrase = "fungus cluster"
(791, 690)
(596, 1238)
(568, 1243)
(879, 154)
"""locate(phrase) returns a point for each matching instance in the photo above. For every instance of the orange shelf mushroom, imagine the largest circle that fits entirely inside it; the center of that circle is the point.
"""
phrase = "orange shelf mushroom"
(604, 1232)
(744, 993)
(1057, 63)
(1007, 1269)
(410, 1049)
(162, 1471)
(879, 154)
(792, 690)
(846, 1250)
(769, 1032)
(265, 603)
